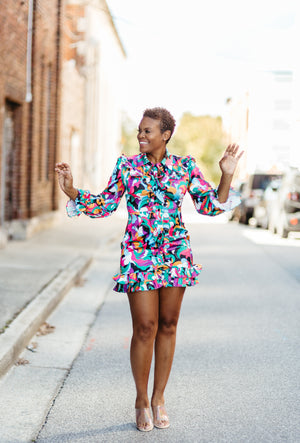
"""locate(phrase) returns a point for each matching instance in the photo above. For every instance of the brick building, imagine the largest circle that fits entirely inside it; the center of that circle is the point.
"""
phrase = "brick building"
(59, 88)
(30, 53)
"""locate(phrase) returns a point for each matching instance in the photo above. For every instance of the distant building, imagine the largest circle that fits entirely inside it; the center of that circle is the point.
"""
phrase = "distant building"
(30, 51)
(92, 77)
(73, 89)
(262, 122)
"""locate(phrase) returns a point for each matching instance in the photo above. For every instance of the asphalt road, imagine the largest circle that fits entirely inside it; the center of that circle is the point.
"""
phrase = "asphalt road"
(235, 376)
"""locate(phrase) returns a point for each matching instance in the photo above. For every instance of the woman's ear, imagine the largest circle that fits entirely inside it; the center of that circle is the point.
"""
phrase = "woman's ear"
(166, 135)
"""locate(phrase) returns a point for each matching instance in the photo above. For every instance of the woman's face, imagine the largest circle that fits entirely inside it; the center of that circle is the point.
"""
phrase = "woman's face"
(150, 138)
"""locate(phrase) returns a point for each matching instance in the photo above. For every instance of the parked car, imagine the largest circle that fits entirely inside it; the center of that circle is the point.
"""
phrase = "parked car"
(236, 212)
(285, 213)
(263, 209)
(252, 194)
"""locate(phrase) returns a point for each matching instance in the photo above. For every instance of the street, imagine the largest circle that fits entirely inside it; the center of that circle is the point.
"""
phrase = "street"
(235, 376)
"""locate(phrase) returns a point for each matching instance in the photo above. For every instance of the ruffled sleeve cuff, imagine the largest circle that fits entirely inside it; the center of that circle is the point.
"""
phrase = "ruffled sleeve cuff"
(72, 206)
(232, 201)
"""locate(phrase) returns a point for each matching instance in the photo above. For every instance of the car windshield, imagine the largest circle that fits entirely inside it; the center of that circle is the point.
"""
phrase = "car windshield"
(261, 181)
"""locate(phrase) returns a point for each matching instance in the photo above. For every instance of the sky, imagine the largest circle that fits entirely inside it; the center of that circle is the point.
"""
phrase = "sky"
(191, 55)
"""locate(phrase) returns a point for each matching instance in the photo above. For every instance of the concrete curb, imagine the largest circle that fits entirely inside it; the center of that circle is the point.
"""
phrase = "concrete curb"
(21, 330)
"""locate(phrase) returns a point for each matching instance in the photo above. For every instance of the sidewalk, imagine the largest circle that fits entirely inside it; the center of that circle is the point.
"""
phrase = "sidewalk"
(36, 274)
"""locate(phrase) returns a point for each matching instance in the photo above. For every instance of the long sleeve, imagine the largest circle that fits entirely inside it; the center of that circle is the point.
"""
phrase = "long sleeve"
(205, 198)
(103, 204)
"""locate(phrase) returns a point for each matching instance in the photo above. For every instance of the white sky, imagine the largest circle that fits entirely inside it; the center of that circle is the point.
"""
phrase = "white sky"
(190, 55)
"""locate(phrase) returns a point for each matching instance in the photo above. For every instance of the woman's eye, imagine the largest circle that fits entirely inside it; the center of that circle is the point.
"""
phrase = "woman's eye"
(147, 131)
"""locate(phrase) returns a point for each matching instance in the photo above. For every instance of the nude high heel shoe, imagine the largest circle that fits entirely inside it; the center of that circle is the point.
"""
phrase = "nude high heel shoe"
(160, 417)
(144, 421)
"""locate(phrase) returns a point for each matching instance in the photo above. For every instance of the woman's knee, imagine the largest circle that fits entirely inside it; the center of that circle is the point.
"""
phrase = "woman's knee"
(145, 330)
(168, 325)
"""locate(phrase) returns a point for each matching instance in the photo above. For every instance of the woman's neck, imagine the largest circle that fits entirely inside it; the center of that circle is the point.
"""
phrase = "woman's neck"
(156, 157)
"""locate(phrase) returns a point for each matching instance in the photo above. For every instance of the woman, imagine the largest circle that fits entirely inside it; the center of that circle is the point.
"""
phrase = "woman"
(156, 258)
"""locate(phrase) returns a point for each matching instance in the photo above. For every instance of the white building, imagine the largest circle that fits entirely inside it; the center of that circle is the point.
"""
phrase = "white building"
(104, 66)
(92, 81)
(262, 121)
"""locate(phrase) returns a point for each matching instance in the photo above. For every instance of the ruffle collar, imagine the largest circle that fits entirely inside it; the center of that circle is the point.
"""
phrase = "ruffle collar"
(165, 163)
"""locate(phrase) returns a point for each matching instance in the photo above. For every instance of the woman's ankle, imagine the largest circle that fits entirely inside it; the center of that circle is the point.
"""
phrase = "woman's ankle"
(142, 402)
(157, 400)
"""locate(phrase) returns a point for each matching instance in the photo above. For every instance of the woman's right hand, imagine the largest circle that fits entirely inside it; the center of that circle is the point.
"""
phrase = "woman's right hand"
(65, 180)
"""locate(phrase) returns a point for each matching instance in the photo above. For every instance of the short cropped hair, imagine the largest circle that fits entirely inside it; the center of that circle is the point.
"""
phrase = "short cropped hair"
(167, 121)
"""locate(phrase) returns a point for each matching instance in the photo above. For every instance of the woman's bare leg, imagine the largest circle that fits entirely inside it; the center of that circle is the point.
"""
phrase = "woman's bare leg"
(144, 313)
(169, 309)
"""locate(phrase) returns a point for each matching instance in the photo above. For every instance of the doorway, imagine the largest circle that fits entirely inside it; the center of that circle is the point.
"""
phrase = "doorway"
(10, 162)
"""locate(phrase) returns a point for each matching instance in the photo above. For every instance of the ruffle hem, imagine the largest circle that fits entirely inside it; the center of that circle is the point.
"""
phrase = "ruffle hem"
(163, 276)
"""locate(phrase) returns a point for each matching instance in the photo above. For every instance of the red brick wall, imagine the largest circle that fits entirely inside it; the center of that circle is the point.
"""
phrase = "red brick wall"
(34, 189)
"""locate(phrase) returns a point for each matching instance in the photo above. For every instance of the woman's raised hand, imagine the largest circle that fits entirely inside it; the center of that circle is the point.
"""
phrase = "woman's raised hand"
(65, 180)
(229, 161)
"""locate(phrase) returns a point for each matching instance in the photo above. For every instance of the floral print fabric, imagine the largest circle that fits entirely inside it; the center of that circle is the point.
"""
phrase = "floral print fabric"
(155, 250)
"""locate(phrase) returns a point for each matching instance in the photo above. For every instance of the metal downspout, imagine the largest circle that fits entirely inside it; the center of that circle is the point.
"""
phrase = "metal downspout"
(28, 97)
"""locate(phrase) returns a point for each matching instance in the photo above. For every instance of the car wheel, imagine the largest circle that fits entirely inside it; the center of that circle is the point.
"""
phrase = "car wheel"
(248, 216)
(242, 219)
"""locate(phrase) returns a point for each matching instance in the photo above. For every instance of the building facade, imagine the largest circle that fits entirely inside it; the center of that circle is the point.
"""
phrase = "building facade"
(30, 49)
(105, 61)
(93, 59)
(262, 121)
(59, 86)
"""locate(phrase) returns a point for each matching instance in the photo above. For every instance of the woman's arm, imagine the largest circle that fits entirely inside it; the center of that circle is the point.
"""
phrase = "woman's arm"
(228, 164)
(210, 201)
(65, 180)
(82, 201)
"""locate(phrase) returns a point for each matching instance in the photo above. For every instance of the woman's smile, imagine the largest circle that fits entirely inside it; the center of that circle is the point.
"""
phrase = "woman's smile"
(151, 140)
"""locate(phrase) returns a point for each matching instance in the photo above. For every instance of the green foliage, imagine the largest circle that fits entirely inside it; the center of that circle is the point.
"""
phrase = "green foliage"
(199, 136)
(203, 138)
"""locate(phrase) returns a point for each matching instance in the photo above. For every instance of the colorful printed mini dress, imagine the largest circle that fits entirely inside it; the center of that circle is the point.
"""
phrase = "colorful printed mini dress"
(155, 251)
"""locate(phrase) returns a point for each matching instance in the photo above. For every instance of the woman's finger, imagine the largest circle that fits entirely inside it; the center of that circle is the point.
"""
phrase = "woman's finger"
(63, 166)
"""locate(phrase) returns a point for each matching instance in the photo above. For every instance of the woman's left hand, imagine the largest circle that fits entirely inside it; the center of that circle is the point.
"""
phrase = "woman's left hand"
(229, 161)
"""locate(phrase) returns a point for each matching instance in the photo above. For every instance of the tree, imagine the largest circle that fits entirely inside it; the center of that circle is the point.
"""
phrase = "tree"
(204, 139)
